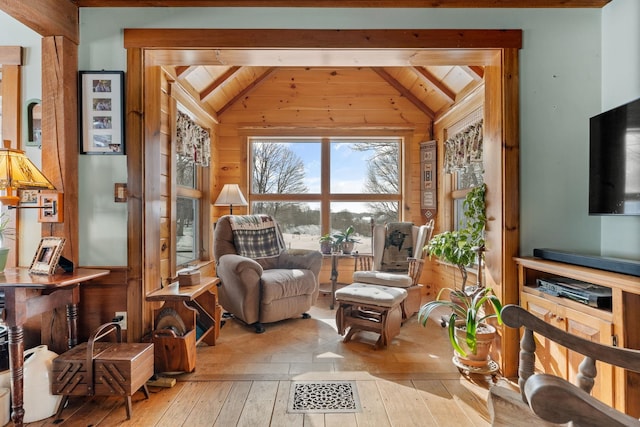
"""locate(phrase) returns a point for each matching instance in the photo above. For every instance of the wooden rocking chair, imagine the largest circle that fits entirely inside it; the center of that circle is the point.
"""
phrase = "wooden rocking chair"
(544, 398)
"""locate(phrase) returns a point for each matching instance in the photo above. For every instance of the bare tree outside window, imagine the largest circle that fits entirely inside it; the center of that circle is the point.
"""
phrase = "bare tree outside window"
(289, 178)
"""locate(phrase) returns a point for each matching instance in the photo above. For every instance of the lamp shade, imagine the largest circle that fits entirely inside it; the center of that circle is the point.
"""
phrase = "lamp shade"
(231, 195)
(17, 171)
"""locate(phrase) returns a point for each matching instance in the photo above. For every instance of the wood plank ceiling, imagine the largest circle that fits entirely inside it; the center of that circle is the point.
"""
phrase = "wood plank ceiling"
(431, 89)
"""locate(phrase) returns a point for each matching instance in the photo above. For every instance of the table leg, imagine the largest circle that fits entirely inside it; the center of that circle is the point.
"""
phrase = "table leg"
(16, 362)
(334, 279)
(72, 324)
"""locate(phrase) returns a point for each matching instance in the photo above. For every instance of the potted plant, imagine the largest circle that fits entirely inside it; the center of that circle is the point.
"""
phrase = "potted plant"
(464, 246)
(326, 244)
(345, 240)
(469, 334)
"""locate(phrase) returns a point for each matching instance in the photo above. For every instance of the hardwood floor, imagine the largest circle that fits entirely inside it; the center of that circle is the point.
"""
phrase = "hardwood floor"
(245, 379)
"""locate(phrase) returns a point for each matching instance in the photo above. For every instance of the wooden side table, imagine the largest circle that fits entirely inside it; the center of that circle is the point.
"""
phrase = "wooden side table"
(335, 256)
(27, 295)
(198, 307)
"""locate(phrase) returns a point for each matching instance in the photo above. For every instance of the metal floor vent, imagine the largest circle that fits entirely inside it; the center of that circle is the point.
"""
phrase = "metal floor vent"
(323, 397)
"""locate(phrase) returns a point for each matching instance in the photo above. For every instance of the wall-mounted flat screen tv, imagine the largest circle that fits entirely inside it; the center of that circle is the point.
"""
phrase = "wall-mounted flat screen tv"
(614, 161)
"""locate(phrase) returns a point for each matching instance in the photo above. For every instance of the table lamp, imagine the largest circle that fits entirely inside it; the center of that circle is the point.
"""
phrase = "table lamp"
(229, 196)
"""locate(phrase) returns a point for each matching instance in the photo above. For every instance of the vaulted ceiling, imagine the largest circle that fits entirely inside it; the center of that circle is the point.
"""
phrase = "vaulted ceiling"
(431, 89)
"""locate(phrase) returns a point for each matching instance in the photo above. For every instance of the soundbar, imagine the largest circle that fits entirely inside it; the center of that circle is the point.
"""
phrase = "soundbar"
(616, 265)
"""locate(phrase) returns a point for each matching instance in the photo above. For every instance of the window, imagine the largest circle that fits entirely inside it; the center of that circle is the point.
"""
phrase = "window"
(463, 160)
(314, 186)
(191, 158)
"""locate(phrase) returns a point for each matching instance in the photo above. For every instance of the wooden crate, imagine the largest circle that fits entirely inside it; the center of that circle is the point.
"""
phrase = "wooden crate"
(174, 353)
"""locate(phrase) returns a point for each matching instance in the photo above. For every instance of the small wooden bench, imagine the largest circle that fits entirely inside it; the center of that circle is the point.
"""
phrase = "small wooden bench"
(103, 368)
(375, 308)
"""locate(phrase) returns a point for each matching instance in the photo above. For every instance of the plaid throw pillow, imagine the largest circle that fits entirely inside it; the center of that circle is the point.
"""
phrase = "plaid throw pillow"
(256, 236)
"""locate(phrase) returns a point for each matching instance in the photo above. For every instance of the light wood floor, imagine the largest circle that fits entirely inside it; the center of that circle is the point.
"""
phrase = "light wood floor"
(244, 380)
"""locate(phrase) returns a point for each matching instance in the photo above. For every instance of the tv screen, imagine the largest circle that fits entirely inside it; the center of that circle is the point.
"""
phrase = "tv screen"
(614, 161)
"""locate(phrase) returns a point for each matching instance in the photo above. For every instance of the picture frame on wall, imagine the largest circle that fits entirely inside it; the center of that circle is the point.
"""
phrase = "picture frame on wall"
(101, 112)
(47, 256)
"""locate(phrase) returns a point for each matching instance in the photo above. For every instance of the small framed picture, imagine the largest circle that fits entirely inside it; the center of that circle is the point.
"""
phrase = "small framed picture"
(46, 258)
(101, 96)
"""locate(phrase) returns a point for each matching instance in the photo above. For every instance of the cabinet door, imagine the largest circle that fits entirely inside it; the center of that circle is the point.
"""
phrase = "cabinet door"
(596, 330)
(550, 357)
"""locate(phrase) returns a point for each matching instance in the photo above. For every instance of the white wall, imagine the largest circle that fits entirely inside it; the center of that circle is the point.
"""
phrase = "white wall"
(620, 84)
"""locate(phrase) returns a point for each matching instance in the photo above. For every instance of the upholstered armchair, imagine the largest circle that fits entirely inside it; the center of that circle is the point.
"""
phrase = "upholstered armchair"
(397, 260)
(262, 281)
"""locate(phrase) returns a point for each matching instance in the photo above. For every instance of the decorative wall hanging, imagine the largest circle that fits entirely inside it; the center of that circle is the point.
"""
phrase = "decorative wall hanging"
(463, 148)
(101, 96)
(192, 140)
(428, 179)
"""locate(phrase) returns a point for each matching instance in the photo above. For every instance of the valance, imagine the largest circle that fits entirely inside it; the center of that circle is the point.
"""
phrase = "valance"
(192, 140)
(464, 148)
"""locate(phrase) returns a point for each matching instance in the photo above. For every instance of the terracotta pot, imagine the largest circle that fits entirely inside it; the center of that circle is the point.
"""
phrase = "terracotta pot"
(484, 339)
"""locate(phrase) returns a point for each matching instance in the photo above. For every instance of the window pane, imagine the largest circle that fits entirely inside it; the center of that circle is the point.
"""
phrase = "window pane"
(365, 166)
(185, 171)
(299, 222)
(186, 230)
(469, 177)
(345, 214)
(285, 167)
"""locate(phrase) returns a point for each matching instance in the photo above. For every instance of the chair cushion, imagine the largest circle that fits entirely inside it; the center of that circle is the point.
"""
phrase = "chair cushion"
(381, 278)
(280, 283)
(381, 296)
(398, 246)
(256, 236)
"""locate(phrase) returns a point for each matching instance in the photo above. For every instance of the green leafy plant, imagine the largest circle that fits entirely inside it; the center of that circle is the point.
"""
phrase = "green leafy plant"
(346, 236)
(6, 232)
(328, 238)
(462, 247)
(467, 308)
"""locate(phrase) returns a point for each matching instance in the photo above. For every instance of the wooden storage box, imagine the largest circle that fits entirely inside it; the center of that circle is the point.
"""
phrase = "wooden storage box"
(73, 373)
(123, 368)
(174, 353)
(103, 368)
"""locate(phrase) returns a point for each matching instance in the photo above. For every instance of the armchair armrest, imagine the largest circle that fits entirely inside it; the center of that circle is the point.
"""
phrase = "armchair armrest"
(236, 264)
(305, 259)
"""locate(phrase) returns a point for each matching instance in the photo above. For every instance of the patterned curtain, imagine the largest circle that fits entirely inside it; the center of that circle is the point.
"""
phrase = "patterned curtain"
(193, 141)
(464, 148)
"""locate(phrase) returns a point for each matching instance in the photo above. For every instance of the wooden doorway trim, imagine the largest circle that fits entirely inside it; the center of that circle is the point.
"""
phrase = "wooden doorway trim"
(496, 50)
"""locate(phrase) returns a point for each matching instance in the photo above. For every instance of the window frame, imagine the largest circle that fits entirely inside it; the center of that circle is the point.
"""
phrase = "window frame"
(201, 192)
(325, 198)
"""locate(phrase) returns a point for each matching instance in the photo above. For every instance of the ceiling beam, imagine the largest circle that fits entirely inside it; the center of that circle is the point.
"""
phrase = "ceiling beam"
(191, 92)
(349, 3)
(46, 17)
(254, 84)
(424, 74)
(404, 91)
(220, 81)
(476, 72)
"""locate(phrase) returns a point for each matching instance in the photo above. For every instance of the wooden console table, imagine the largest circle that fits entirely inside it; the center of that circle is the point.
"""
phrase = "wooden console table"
(198, 307)
(27, 295)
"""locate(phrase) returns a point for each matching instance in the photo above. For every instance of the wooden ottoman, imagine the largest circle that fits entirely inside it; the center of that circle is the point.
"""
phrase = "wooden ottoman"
(375, 308)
